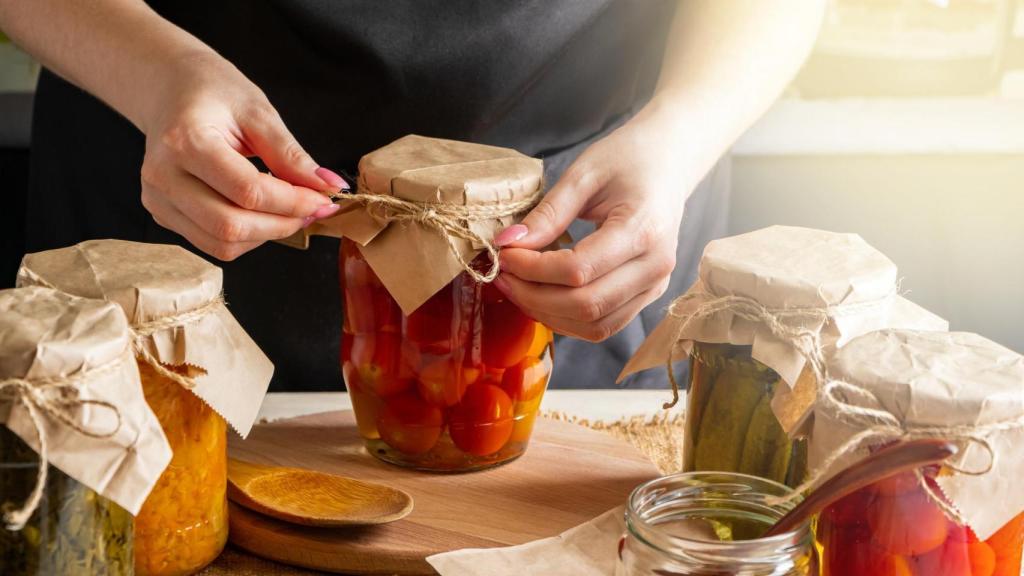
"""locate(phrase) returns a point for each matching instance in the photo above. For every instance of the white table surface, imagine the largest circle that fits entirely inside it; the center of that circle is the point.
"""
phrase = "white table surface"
(605, 405)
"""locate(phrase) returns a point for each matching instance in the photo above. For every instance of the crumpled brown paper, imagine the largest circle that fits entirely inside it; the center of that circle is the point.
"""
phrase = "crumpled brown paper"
(941, 379)
(47, 336)
(413, 260)
(153, 281)
(585, 550)
(788, 269)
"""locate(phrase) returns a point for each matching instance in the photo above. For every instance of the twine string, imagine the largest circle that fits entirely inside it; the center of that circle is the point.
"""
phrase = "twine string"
(452, 221)
(847, 403)
(141, 331)
(56, 398)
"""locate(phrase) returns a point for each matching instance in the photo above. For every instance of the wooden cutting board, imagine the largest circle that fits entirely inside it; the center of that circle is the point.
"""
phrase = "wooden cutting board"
(568, 475)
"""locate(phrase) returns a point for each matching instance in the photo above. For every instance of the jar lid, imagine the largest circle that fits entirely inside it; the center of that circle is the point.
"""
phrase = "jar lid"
(445, 201)
(833, 285)
(952, 384)
(172, 299)
(70, 359)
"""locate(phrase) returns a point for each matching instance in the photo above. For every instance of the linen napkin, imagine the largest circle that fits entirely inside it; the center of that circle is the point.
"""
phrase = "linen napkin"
(585, 550)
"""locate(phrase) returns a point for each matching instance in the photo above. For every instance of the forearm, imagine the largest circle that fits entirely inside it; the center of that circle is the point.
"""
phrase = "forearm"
(119, 50)
(725, 63)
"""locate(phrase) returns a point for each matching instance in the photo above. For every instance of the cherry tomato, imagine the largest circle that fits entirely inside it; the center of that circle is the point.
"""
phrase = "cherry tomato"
(896, 484)
(430, 325)
(366, 407)
(410, 425)
(384, 363)
(909, 524)
(541, 338)
(849, 551)
(368, 305)
(948, 559)
(523, 427)
(527, 379)
(443, 382)
(851, 509)
(507, 334)
(1007, 541)
(482, 423)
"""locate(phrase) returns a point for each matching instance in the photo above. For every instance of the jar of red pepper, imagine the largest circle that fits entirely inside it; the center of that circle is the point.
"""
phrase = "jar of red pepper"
(444, 372)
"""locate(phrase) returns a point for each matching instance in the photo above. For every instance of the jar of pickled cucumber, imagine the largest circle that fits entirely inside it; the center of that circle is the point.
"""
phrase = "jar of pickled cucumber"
(73, 530)
(200, 372)
(711, 523)
(965, 518)
(764, 305)
(730, 424)
(73, 422)
(455, 385)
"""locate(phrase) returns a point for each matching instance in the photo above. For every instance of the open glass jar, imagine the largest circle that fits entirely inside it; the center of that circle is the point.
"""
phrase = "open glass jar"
(183, 525)
(453, 386)
(73, 531)
(730, 425)
(893, 527)
(711, 523)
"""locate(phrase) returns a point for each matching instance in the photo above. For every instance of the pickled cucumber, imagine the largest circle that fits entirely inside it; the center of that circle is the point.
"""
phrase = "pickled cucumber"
(726, 418)
(766, 448)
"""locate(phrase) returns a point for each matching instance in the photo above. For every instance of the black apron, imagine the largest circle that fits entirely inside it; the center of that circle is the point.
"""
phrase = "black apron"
(545, 77)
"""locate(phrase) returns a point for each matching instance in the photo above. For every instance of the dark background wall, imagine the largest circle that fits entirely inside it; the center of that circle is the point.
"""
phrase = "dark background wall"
(15, 125)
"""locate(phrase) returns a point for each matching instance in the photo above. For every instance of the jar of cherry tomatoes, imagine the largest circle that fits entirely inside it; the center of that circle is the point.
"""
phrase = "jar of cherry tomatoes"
(444, 372)
(965, 518)
(455, 385)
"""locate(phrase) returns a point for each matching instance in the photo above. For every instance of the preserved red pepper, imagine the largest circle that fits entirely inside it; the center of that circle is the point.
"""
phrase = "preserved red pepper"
(454, 385)
(894, 528)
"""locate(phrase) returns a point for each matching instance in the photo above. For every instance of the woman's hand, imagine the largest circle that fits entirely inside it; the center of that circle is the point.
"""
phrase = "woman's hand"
(633, 184)
(196, 179)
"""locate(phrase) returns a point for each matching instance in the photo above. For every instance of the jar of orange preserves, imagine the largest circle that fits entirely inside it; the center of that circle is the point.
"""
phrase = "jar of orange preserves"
(183, 525)
(455, 385)
(200, 372)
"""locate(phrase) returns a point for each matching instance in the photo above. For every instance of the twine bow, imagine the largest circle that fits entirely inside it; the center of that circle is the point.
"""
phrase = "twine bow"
(847, 403)
(57, 399)
(450, 220)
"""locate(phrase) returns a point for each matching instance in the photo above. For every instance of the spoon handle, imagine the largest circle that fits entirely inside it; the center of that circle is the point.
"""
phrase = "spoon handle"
(890, 460)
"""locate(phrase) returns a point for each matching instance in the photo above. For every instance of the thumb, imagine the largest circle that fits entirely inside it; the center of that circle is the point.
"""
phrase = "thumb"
(555, 212)
(268, 137)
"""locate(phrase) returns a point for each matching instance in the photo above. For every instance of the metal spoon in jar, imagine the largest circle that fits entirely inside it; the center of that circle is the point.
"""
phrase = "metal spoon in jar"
(313, 498)
(901, 457)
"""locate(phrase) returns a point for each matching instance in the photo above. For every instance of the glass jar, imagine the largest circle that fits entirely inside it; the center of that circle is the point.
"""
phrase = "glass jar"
(711, 523)
(730, 426)
(892, 527)
(73, 531)
(183, 524)
(453, 386)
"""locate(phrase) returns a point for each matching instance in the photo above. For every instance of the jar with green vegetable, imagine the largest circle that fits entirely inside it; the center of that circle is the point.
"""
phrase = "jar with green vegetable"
(766, 307)
(79, 448)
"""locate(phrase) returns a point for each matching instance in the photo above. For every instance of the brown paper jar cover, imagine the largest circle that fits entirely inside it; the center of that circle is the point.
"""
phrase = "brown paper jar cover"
(413, 260)
(48, 337)
(155, 281)
(937, 380)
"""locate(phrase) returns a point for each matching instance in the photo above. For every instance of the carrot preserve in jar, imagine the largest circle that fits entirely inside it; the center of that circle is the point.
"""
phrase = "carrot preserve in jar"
(183, 525)
(453, 386)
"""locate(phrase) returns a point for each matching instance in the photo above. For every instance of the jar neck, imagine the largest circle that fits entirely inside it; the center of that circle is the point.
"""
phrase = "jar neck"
(682, 519)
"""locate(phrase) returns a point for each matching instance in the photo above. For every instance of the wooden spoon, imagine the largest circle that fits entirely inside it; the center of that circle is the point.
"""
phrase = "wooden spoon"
(894, 459)
(313, 498)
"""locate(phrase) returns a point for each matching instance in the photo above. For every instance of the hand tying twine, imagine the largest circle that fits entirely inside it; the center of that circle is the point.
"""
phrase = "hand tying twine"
(56, 398)
(450, 220)
(849, 404)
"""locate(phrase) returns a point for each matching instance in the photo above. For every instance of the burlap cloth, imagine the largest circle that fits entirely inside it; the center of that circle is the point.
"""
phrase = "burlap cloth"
(660, 439)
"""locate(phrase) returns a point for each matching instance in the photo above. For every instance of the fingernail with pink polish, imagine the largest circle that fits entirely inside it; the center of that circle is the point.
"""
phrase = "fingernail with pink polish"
(325, 211)
(513, 233)
(332, 179)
